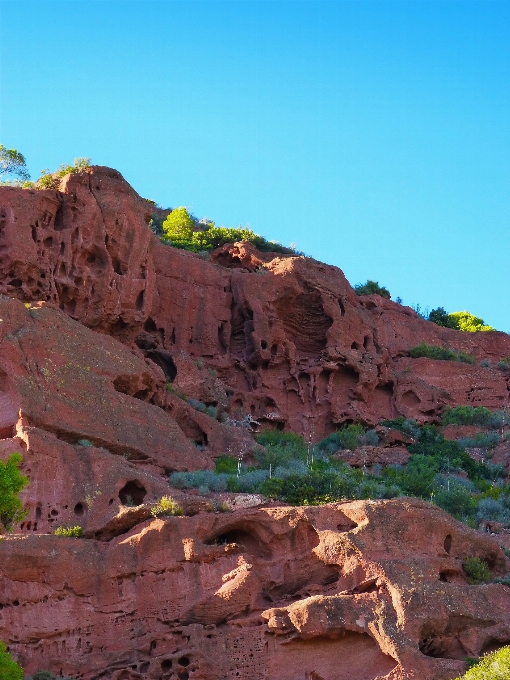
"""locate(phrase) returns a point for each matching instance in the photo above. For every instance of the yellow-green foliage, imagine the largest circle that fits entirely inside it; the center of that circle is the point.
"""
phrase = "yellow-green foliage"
(178, 231)
(73, 532)
(51, 180)
(9, 669)
(166, 506)
(495, 666)
(178, 226)
(476, 570)
(11, 483)
(469, 322)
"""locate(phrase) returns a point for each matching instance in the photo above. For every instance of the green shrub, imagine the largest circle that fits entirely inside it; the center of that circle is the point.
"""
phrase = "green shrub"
(9, 669)
(182, 230)
(481, 440)
(72, 532)
(476, 570)
(11, 483)
(227, 464)
(371, 287)
(280, 448)
(51, 180)
(472, 415)
(442, 353)
(495, 666)
(166, 506)
(441, 317)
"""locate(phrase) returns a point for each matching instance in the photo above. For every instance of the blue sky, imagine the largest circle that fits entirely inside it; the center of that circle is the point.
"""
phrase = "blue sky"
(374, 135)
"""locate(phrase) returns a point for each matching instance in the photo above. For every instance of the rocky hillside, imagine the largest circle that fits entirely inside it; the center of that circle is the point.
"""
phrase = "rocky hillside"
(109, 340)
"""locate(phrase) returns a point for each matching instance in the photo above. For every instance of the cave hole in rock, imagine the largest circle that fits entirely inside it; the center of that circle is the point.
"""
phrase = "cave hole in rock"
(183, 675)
(448, 543)
(79, 509)
(54, 513)
(246, 539)
(16, 283)
(139, 301)
(263, 344)
(355, 346)
(132, 493)
(164, 360)
(184, 661)
(346, 524)
(493, 645)
(166, 665)
(443, 646)
(410, 399)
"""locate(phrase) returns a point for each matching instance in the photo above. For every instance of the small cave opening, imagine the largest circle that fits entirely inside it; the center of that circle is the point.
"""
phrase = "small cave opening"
(166, 665)
(355, 346)
(346, 524)
(448, 543)
(184, 661)
(132, 493)
(79, 509)
(248, 541)
(164, 360)
(443, 646)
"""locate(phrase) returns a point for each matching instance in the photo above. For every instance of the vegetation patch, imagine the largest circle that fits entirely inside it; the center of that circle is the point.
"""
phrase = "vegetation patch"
(441, 353)
(371, 287)
(182, 230)
(493, 666)
(166, 506)
(70, 532)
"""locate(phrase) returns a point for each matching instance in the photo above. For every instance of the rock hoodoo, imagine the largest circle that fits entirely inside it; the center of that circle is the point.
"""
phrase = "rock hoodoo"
(108, 338)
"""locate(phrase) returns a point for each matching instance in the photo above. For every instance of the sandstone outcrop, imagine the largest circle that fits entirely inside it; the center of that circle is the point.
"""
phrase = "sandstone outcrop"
(123, 359)
(365, 590)
(290, 342)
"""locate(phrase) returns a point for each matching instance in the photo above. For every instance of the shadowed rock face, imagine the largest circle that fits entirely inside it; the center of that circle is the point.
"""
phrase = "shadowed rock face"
(357, 589)
(103, 330)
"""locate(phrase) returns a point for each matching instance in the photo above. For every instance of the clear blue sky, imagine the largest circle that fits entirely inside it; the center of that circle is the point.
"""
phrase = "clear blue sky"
(375, 135)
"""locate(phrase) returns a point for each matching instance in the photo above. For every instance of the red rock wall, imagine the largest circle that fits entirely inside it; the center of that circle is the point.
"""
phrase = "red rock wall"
(290, 341)
(350, 590)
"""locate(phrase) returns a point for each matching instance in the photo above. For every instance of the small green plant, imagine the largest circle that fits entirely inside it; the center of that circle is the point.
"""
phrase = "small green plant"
(9, 669)
(371, 287)
(51, 180)
(11, 483)
(84, 442)
(477, 570)
(503, 364)
(166, 506)
(441, 353)
(504, 580)
(70, 532)
(174, 390)
(495, 666)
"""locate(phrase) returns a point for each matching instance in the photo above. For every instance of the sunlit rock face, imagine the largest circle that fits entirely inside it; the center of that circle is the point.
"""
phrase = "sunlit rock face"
(105, 334)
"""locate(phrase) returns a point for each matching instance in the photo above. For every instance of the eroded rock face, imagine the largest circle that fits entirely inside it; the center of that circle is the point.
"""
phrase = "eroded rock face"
(112, 346)
(365, 589)
(289, 341)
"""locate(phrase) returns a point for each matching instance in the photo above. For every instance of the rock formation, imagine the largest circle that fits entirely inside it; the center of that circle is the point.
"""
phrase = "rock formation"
(108, 339)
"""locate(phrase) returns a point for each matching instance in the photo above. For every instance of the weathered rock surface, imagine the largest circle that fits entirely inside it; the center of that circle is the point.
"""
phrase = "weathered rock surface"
(291, 343)
(365, 590)
(112, 346)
